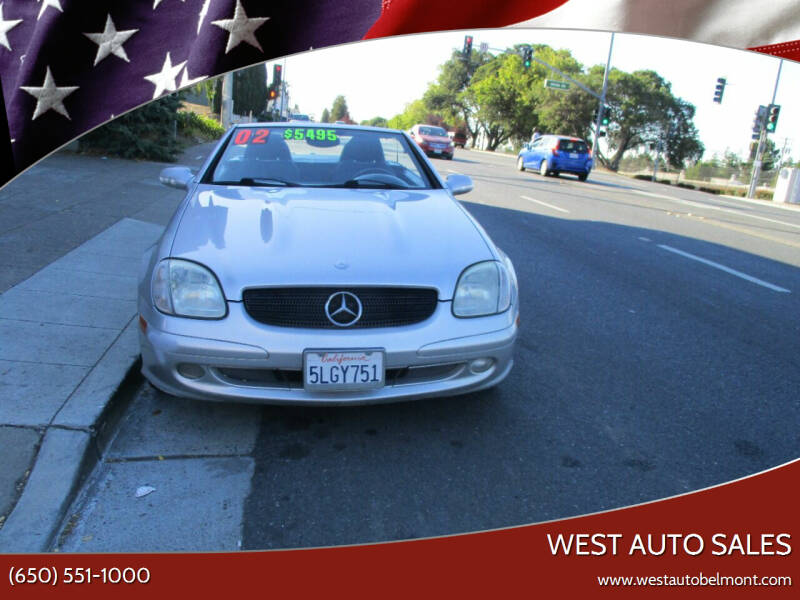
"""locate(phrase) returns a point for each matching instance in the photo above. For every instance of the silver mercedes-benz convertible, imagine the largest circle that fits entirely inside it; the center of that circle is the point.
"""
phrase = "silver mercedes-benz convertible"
(323, 264)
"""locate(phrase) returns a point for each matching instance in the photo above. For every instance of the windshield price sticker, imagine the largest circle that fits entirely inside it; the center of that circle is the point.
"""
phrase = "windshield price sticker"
(328, 135)
(251, 136)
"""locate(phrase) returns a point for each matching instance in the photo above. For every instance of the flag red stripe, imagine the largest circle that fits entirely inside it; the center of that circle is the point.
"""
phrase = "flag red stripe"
(415, 16)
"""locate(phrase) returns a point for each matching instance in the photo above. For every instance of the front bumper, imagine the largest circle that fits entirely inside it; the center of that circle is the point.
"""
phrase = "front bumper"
(237, 359)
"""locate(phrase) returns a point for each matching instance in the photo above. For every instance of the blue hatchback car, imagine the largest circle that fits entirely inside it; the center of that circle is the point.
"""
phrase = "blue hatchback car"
(554, 154)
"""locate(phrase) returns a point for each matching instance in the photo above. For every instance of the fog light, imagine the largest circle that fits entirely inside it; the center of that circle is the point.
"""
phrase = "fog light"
(479, 365)
(191, 371)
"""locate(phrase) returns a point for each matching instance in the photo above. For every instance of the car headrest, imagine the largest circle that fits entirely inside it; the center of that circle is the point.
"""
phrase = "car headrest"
(274, 148)
(366, 149)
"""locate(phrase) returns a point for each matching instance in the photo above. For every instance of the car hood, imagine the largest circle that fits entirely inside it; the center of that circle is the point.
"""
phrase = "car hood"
(340, 237)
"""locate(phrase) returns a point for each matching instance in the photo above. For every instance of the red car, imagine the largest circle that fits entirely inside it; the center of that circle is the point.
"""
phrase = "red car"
(459, 138)
(433, 140)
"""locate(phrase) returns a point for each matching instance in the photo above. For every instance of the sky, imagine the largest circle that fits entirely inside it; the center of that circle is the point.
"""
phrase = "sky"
(379, 77)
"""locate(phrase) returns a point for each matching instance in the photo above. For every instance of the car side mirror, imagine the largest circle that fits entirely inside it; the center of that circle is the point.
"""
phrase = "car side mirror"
(459, 184)
(177, 177)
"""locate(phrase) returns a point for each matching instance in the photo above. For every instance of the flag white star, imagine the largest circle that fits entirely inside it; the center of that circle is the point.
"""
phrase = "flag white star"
(49, 96)
(53, 3)
(164, 80)
(187, 81)
(203, 13)
(240, 28)
(110, 41)
(5, 27)
(157, 2)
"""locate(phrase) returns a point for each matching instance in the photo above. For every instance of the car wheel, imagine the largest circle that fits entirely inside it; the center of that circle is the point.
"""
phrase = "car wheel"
(583, 176)
(520, 164)
(543, 170)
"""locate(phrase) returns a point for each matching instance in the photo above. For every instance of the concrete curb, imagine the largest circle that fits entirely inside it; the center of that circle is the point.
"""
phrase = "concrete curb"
(45, 322)
(66, 457)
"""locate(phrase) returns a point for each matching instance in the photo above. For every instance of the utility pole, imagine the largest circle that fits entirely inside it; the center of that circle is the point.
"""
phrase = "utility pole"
(284, 99)
(761, 142)
(226, 104)
(602, 107)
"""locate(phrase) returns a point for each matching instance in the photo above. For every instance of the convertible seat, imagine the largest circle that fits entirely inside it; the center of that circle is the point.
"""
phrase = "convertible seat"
(361, 153)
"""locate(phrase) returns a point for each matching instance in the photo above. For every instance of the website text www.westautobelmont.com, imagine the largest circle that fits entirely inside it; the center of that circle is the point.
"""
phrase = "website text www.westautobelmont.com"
(699, 580)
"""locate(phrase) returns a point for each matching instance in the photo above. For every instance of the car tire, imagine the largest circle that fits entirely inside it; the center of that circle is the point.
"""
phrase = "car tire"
(520, 164)
(544, 171)
(583, 176)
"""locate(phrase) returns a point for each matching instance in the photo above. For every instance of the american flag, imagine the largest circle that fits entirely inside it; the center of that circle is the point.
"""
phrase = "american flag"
(67, 66)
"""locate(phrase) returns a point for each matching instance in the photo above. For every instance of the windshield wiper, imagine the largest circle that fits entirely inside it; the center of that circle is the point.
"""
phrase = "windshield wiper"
(368, 183)
(266, 181)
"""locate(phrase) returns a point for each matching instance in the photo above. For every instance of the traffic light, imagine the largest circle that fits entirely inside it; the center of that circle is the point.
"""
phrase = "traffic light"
(758, 122)
(527, 57)
(276, 76)
(602, 114)
(772, 117)
(272, 94)
(467, 51)
(719, 90)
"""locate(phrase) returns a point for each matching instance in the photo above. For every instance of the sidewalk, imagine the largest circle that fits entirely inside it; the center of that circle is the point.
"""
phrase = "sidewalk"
(72, 232)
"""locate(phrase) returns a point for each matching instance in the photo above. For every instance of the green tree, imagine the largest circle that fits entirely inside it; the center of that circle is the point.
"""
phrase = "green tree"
(509, 101)
(644, 111)
(376, 122)
(446, 96)
(415, 112)
(326, 116)
(339, 109)
(568, 112)
(250, 90)
(732, 160)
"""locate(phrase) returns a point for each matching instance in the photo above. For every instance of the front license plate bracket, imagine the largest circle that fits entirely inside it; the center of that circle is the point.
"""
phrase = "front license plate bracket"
(343, 370)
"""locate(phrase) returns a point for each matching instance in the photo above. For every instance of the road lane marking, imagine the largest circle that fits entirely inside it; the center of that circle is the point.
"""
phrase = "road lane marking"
(733, 211)
(564, 210)
(711, 263)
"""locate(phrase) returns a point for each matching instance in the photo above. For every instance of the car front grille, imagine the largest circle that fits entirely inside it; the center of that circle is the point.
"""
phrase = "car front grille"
(305, 307)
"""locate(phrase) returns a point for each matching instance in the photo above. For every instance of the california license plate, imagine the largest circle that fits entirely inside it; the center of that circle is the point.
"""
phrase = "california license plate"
(343, 370)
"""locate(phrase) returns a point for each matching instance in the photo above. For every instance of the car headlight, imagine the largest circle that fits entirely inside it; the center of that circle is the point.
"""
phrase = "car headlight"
(485, 288)
(187, 289)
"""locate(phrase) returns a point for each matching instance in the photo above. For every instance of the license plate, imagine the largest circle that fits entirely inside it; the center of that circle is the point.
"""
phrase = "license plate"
(343, 370)
(436, 151)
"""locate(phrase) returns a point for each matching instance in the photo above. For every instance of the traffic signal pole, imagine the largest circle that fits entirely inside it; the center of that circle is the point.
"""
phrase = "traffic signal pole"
(602, 107)
(751, 192)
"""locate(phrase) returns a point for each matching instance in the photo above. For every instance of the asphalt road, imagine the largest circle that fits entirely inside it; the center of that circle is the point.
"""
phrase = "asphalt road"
(658, 354)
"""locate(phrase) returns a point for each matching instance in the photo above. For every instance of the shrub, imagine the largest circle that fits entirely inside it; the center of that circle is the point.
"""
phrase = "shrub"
(198, 127)
(147, 133)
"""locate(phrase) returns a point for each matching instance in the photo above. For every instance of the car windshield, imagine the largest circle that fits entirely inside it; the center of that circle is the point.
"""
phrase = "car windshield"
(433, 131)
(573, 146)
(321, 156)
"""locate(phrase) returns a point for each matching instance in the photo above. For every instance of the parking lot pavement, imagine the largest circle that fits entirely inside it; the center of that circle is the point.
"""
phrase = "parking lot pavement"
(72, 232)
